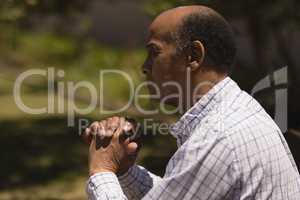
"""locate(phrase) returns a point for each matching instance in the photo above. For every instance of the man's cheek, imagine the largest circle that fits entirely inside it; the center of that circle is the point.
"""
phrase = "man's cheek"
(165, 69)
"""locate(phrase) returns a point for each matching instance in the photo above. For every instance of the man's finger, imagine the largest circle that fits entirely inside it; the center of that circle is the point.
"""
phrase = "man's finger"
(112, 125)
(125, 130)
(101, 131)
(94, 128)
(92, 144)
(132, 148)
(87, 136)
(119, 131)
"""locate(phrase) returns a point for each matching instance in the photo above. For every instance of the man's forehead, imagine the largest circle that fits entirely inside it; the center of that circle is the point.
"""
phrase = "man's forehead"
(160, 28)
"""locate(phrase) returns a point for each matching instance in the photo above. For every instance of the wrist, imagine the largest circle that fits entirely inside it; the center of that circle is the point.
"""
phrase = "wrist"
(100, 170)
(121, 173)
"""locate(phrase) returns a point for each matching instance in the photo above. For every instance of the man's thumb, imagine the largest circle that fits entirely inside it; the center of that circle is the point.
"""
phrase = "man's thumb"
(132, 148)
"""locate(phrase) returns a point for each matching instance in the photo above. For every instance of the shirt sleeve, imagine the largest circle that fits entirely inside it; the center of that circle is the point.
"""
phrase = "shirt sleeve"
(137, 182)
(200, 169)
(104, 186)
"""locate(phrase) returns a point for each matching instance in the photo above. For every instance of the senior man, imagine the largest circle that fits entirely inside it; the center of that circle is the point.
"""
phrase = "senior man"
(228, 146)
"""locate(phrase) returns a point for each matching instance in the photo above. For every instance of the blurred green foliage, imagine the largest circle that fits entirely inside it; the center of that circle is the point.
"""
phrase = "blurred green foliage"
(14, 10)
(41, 150)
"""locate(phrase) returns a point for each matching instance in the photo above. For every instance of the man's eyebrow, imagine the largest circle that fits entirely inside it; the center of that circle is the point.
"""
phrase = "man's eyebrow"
(152, 44)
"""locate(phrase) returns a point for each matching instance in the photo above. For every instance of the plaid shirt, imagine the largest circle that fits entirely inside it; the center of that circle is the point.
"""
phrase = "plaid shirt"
(228, 148)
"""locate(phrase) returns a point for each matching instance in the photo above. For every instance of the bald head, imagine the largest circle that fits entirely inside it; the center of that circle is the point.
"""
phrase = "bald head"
(168, 21)
(172, 18)
(186, 24)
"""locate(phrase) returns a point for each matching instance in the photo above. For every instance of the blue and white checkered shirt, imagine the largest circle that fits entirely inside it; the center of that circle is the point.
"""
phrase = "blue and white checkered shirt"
(229, 148)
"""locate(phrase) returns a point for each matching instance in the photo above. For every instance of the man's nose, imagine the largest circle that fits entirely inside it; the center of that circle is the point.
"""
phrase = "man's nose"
(145, 71)
(146, 68)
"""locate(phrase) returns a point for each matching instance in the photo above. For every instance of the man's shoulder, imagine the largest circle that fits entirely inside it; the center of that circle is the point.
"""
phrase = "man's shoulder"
(245, 113)
(250, 130)
(239, 121)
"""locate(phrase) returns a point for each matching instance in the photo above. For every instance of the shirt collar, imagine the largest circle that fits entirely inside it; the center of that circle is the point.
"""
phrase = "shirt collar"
(182, 129)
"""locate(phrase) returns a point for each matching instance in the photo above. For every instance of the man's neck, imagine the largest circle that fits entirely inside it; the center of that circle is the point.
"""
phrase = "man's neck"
(201, 85)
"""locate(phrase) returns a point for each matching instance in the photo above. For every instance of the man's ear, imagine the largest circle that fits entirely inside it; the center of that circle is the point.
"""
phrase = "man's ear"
(197, 55)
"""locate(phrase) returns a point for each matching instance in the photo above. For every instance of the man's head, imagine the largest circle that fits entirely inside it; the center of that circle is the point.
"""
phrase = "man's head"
(194, 38)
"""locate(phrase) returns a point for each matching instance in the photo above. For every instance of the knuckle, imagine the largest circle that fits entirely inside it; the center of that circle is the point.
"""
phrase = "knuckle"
(93, 124)
(116, 118)
(110, 119)
(102, 123)
(87, 131)
(94, 127)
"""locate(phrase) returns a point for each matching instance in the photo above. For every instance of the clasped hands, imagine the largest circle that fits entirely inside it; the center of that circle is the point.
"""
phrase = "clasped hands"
(110, 148)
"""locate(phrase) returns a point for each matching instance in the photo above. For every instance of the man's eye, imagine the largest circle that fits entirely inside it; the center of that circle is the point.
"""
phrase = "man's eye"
(155, 51)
